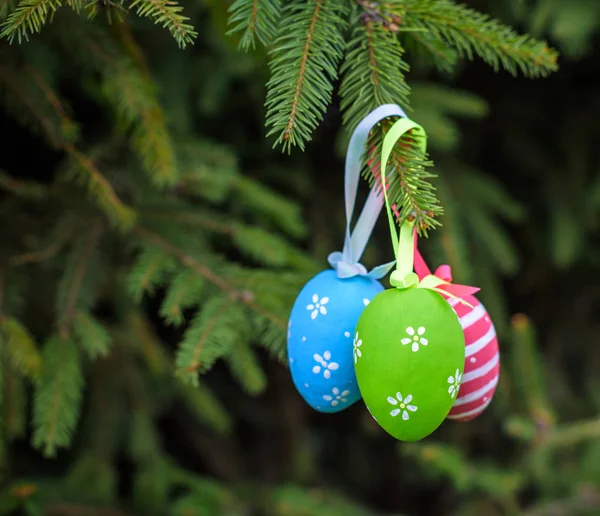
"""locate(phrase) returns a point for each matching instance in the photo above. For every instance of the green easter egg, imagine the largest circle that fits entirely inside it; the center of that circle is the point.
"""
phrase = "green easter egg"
(409, 350)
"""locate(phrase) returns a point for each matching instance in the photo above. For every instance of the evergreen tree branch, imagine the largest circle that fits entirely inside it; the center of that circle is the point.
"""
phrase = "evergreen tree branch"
(257, 19)
(82, 169)
(31, 106)
(28, 18)
(132, 93)
(61, 132)
(372, 71)
(243, 297)
(304, 65)
(213, 333)
(167, 14)
(409, 186)
(69, 310)
(471, 32)
(22, 350)
(58, 396)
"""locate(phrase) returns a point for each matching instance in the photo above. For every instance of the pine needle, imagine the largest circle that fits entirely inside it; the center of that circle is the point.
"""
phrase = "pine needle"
(215, 330)
(133, 95)
(372, 72)
(21, 348)
(91, 335)
(82, 169)
(28, 18)
(304, 65)
(471, 32)
(167, 14)
(57, 397)
(257, 19)
(183, 292)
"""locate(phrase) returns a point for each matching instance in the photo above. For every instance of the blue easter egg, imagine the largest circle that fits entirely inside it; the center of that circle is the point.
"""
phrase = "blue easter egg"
(320, 332)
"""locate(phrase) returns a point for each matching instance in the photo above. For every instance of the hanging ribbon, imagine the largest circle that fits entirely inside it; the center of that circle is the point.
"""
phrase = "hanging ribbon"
(346, 262)
(443, 274)
(405, 242)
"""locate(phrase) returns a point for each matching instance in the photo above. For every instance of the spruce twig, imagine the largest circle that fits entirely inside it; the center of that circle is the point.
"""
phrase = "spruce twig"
(304, 65)
(243, 297)
(29, 17)
(471, 32)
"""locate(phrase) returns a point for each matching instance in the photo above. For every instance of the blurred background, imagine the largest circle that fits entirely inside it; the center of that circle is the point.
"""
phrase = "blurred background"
(142, 274)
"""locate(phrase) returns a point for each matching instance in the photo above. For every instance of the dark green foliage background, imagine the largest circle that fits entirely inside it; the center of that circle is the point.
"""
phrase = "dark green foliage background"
(518, 166)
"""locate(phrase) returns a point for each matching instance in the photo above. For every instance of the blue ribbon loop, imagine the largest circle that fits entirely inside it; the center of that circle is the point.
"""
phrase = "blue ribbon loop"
(346, 263)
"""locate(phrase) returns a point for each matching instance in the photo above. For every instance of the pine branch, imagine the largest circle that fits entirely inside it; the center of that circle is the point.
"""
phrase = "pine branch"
(244, 297)
(58, 396)
(245, 367)
(28, 18)
(216, 329)
(183, 292)
(471, 32)
(132, 93)
(51, 115)
(304, 65)
(21, 348)
(257, 19)
(150, 270)
(167, 14)
(372, 72)
(27, 108)
(73, 279)
(81, 168)
(91, 335)
(408, 184)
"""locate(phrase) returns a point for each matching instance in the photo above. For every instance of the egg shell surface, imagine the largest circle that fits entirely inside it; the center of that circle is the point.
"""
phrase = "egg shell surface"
(482, 360)
(319, 342)
(412, 350)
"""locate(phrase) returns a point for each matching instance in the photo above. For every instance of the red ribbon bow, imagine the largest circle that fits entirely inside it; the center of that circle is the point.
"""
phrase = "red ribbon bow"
(444, 273)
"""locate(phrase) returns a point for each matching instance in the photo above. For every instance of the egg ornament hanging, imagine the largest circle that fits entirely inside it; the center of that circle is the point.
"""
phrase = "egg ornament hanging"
(321, 327)
(411, 342)
(410, 338)
(479, 380)
(323, 318)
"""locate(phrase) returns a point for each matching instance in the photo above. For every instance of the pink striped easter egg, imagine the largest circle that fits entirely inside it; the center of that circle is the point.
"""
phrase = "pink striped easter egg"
(482, 361)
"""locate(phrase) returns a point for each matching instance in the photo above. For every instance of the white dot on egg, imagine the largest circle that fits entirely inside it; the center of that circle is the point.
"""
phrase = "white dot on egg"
(485, 398)
(487, 319)
(366, 301)
(305, 385)
(318, 406)
(473, 360)
(346, 334)
(291, 360)
(303, 339)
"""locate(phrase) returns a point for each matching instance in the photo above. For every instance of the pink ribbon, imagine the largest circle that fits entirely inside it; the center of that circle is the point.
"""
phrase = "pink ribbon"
(444, 273)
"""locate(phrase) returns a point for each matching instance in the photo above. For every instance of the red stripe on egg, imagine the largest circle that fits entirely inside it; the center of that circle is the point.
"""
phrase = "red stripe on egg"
(482, 361)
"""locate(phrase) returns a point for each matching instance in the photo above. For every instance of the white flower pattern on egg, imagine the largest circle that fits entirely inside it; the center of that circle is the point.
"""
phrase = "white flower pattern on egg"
(415, 337)
(402, 405)
(324, 362)
(317, 306)
(357, 345)
(337, 397)
(454, 382)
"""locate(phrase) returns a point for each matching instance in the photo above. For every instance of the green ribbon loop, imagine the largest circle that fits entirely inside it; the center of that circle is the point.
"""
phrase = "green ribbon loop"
(404, 244)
